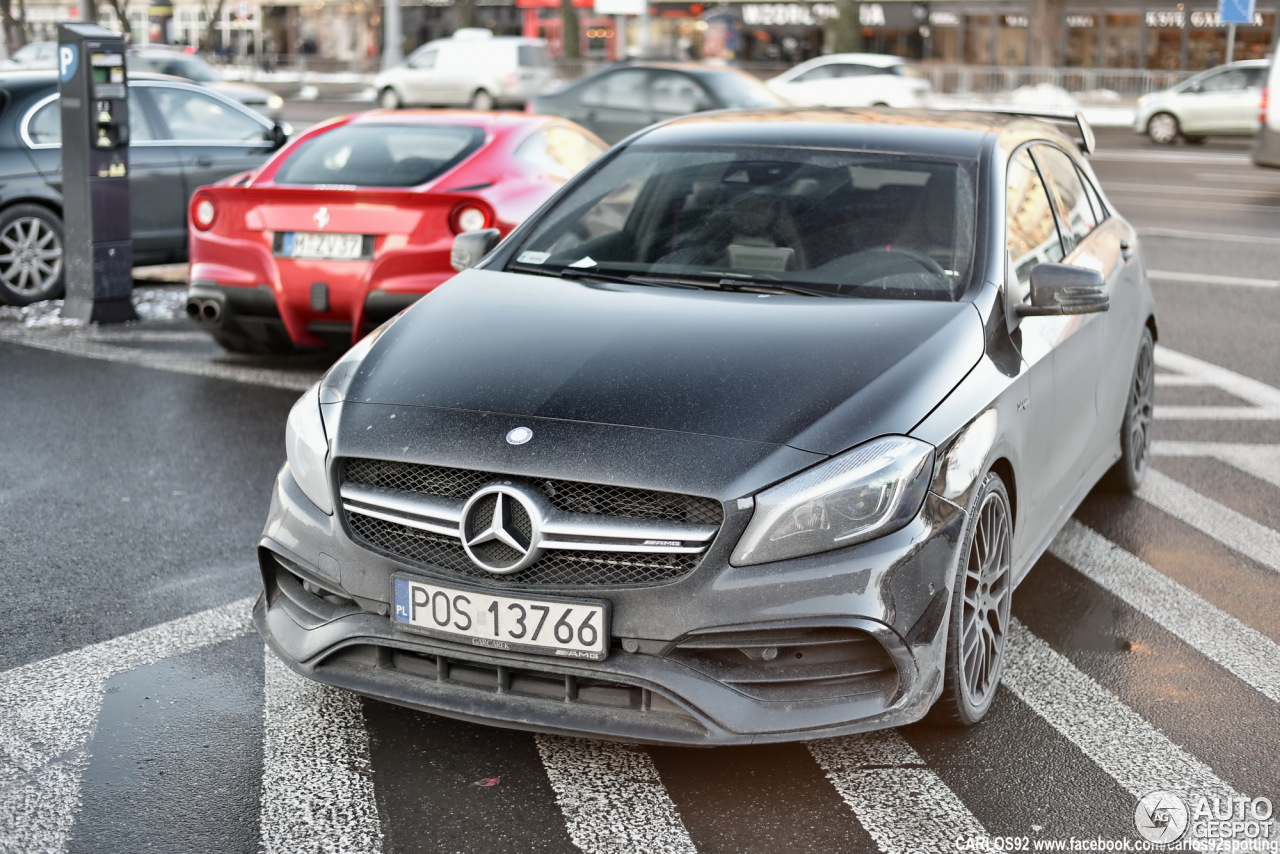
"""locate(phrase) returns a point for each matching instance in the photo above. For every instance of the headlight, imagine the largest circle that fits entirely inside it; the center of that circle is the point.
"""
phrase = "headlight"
(275, 102)
(307, 448)
(867, 492)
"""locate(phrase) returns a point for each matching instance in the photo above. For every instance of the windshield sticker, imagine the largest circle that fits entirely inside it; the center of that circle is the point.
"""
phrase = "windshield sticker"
(586, 261)
(533, 257)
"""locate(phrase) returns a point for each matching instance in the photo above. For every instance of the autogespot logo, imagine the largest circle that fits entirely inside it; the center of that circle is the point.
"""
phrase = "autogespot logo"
(1162, 817)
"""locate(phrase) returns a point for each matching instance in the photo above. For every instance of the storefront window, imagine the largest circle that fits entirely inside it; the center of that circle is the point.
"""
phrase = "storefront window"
(1082, 40)
(977, 40)
(1123, 43)
(1011, 39)
(1207, 40)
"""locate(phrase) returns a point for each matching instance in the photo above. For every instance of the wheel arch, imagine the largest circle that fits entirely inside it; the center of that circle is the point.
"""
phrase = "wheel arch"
(1004, 468)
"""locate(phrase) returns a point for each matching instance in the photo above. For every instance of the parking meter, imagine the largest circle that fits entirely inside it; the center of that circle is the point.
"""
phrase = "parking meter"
(94, 96)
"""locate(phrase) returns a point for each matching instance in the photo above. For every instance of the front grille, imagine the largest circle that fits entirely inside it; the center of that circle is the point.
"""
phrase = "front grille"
(567, 495)
(562, 567)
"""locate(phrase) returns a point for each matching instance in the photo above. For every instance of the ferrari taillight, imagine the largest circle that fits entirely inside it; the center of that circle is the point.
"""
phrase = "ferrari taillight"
(203, 213)
(470, 216)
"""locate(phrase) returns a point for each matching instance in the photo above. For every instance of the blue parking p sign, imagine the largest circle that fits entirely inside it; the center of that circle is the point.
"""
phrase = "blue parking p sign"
(1235, 11)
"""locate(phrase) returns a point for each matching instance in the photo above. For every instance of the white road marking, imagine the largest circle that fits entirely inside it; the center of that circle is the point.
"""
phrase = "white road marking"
(1264, 399)
(1234, 530)
(1260, 461)
(1183, 190)
(317, 792)
(1115, 737)
(612, 798)
(1241, 178)
(1135, 155)
(1250, 656)
(1136, 200)
(1211, 236)
(50, 710)
(904, 806)
(1170, 380)
(1207, 279)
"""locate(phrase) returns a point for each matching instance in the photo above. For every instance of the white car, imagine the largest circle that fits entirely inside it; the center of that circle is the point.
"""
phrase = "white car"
(1266, 145)
(474, 68)
(853, 80)
(1222, 101)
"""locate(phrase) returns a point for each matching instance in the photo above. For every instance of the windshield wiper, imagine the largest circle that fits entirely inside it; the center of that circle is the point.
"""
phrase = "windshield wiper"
(739, 282)
(600, 275)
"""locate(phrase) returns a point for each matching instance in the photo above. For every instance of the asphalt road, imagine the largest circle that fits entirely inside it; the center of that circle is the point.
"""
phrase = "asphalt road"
(138, 711)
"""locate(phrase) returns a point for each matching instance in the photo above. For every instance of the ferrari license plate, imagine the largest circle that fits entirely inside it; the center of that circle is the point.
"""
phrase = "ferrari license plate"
(308, 244)
(569, 628)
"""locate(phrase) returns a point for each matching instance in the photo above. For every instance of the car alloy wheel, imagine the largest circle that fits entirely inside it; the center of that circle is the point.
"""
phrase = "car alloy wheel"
(1139, 413)
(31, 255)
(980, 610)
(388, 99)
(1163, 129)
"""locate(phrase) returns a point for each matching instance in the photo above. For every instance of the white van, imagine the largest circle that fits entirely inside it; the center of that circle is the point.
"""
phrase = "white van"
(473, 68)
(1266, 145)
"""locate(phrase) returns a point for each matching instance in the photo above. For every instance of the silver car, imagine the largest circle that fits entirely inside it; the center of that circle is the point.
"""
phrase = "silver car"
(1222, 101)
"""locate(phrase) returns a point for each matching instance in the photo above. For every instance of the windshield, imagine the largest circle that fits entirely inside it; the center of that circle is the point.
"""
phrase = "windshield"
(188, 67)
(837, 223)
(368, 155)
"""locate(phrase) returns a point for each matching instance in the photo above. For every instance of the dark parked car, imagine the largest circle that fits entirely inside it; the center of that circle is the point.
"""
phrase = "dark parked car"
(182, 136)
(175, 63)
(747, 436)
(624, 98)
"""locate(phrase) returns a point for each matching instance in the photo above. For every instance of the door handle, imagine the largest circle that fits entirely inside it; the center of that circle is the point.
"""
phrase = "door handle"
(1126, 251)
(204, 161)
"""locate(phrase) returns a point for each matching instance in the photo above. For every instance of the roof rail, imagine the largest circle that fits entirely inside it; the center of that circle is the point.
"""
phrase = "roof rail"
(1084, 137)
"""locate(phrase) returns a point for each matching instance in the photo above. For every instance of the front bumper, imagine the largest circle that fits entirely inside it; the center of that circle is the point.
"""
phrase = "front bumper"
(326, 599)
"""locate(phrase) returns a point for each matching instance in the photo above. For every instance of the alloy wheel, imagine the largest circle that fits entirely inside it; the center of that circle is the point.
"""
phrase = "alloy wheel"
(1142, 408)
(988, 589)
(30, 257)
(1163, 129)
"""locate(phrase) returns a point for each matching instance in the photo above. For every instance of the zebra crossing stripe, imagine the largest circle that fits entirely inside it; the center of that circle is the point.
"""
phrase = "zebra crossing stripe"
(316, 785)
(904, 806)
(1260, 461)
(1264, 400)
(1116, 738)
(50, 710)
(612, 798)
(1249, 655)
(1234, 530)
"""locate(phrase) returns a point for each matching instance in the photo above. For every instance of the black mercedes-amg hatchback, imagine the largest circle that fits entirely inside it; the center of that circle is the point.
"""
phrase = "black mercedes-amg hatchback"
(748, 435)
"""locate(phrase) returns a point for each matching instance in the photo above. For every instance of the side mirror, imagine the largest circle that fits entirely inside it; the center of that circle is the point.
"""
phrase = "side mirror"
(278, 135)
(1062, 289)
(470, 246)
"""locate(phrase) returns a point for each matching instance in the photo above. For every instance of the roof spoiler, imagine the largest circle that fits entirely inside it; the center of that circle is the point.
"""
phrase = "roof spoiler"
(1083, 137)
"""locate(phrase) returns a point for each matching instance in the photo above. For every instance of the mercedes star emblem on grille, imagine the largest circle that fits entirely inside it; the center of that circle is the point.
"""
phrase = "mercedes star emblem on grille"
(501, 529)
(519, 436)
(321, 217)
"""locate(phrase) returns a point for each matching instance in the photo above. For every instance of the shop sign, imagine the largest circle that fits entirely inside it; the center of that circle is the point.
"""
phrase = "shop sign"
(788, 14)
(1080, 22)
(620, 7)
(1201, 18)
(944, 19)
(1017, 21)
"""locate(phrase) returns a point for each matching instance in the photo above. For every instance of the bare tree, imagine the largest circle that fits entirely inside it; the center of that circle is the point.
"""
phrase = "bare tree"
(212, 15)
(569, 36)
(15, 27)
(844, 31)
(1046, 32)
(121, 8)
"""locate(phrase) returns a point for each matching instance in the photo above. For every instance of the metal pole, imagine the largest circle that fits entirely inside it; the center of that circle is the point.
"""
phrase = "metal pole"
(392, 54)
(1231, 42)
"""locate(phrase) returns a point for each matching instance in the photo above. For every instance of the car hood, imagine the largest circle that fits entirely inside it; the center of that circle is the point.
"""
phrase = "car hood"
(817, 374)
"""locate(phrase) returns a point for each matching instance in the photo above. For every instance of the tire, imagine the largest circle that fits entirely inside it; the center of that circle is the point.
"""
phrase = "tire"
(978, 625)
(32, 257)
(1163, 128)
(1135, 431)
(482, 100)
(388, 99)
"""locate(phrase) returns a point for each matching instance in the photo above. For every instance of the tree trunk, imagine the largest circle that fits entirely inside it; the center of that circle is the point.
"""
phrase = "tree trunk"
(1046, 32)
(844, 31)
(213, 15)
(122, 16)
(15, 28)
(570, 36)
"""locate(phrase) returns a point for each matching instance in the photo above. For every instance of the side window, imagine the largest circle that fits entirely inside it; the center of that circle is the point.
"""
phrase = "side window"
(853, 69)
(559, 152)
(676, 94)
(1095, 199)
(822, 72)
(45, 127)
(140, 129)
(1071, 202)
(424, 58)
(196, 117)
(622, 90)
(1030, 230)
(1227, 81)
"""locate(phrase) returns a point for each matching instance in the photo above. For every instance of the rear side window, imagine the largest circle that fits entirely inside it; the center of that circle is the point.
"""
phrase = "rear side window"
(622, 90)
(379, 155)
(45, 125)
(1030, 229)
(1070, 199)
(559, 152)
(531, 56)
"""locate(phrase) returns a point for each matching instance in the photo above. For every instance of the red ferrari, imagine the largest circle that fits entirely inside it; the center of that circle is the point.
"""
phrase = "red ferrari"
(355, 219)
